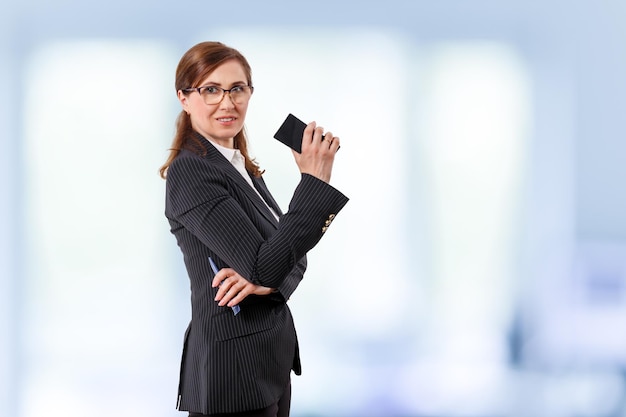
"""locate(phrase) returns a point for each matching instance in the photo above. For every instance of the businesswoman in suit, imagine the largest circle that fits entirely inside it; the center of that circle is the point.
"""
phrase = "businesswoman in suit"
(241, 345)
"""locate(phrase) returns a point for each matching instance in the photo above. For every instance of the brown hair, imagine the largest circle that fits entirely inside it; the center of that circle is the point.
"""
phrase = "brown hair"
(195, 65)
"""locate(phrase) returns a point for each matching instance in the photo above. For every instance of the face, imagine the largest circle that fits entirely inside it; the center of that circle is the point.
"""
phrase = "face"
(221, 121)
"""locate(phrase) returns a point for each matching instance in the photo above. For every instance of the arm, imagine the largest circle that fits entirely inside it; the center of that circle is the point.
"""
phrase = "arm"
(199, 197)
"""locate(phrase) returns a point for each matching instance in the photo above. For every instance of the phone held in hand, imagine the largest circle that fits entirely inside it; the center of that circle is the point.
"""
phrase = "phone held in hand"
(290, 132)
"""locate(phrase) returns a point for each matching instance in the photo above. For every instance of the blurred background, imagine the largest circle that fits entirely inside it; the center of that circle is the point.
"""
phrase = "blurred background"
(479, 269)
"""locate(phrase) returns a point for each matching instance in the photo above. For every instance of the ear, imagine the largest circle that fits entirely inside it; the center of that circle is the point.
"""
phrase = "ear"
(184, 100)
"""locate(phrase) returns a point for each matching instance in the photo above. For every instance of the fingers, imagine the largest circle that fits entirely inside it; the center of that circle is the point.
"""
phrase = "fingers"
(309, 133)
(318, 152)
(234, 296)
(221, 275)
(312, 135)
(318, 135)
(315, 137)
(332, 142)
(232, 288)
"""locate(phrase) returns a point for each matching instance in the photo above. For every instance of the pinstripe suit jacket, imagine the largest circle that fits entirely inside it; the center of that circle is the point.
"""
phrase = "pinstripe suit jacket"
(235, 363)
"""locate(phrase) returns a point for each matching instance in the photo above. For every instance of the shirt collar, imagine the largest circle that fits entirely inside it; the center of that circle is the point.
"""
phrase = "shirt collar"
(232, 155)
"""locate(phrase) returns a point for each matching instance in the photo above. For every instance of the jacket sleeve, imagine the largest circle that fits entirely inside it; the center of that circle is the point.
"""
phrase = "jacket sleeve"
(199, 197)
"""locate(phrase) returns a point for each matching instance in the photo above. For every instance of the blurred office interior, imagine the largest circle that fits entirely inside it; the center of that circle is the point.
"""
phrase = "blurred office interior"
(479, 269)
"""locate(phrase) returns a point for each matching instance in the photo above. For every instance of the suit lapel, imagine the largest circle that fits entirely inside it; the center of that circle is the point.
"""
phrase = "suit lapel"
(259, 184)
(215, 157)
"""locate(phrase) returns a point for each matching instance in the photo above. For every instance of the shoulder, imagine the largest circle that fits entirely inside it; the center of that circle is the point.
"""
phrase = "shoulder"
(193, 173)
(186, 159)
(189, 166)
(193, 180)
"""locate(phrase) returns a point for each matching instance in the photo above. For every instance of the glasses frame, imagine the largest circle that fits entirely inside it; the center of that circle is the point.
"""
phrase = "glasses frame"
(224, 91)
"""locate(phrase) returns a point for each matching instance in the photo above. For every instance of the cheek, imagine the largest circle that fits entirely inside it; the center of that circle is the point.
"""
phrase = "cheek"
(198, 113)
(199, 120)
(243, 109)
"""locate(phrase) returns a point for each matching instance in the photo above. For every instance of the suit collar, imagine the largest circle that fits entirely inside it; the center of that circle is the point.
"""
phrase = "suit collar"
(212, 154)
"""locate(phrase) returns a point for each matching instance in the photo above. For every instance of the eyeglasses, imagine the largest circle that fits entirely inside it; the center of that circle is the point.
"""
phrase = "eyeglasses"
(212, 94)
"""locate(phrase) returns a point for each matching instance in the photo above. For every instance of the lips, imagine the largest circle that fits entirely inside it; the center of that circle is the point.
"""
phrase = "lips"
(226, 119)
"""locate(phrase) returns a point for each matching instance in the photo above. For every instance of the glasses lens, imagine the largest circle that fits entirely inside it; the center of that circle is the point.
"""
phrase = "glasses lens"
(212, 95)
(240, 94)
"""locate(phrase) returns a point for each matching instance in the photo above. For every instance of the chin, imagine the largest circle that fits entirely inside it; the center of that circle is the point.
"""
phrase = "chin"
(234, 132)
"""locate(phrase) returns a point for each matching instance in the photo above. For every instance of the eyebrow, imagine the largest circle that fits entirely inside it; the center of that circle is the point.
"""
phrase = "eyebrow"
(215, 83)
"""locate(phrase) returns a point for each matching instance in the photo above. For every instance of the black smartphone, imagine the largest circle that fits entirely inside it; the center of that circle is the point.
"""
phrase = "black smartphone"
(290, 132)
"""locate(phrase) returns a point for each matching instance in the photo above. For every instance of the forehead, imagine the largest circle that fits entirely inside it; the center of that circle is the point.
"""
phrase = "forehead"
(229, 72)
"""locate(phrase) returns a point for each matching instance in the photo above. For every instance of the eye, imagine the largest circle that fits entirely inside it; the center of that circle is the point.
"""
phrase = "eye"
(237, 89)
(211, 90)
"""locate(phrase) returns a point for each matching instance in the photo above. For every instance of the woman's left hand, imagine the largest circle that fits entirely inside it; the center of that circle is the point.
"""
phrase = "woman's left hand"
(233, 288)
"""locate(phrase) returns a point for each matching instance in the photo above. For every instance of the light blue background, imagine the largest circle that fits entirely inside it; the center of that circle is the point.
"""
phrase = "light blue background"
(520, 312)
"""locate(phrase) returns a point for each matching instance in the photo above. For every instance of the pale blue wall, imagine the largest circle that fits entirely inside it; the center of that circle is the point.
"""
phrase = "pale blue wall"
(576, 54)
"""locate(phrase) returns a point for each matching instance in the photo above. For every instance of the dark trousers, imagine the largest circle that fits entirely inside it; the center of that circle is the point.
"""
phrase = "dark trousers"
(279, 409)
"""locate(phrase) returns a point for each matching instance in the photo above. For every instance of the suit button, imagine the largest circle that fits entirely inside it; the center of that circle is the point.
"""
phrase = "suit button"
(324, 229)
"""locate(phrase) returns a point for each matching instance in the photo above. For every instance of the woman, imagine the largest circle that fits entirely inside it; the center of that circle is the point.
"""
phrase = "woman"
(220, 211)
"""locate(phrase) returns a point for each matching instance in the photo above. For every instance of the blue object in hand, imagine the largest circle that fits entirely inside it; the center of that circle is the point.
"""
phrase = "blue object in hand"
(235, 308)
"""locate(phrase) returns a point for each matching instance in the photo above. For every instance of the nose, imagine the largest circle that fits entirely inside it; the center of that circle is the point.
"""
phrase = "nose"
(227, 101)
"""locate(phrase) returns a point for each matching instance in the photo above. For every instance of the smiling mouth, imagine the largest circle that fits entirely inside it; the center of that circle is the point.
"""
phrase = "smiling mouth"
(226, 119)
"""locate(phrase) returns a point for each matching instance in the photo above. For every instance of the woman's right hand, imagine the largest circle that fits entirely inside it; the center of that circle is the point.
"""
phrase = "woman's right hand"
(318, 152)
(233, 288)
